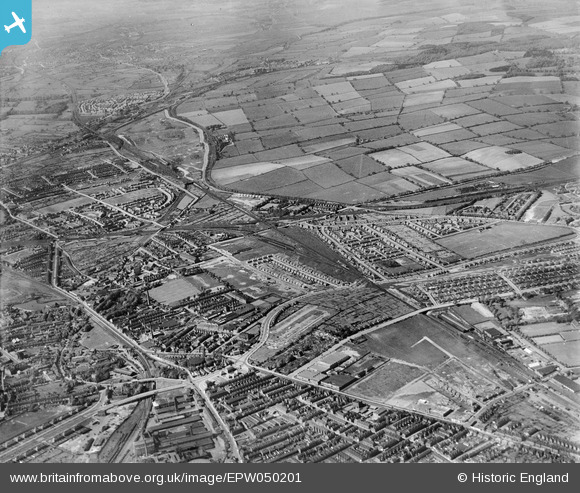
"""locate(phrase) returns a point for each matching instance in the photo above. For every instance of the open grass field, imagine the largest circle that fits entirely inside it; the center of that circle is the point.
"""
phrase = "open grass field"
(546, 328)
(64, 206)
(11, 428)
(420, 176)
(389, 184)
(493, 128)
(426, 342)
(500, 158)
(548, 339)
(328, 175)
(97, 339)
(386, 380)
(563, 171)
(544, 150)
(437, 129)
(302, 188)
(394, 158)
(173, 291)
(424, 98)
(273, 179)
(571, 335)
(232, 174)
(350, 193)
(424, 152)
(360, 166)
(498, 237)
(17, 288)
(405, 341)
(145, 193)
(568, 353)
(456, 168)
(174, 141)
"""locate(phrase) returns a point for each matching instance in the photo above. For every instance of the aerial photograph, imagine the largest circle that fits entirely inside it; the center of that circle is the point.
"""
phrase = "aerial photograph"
(290, 231)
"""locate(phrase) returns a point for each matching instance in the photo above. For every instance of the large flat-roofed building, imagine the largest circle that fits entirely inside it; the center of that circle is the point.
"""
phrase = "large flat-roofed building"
(338, 382)
(311, 376)
(333, 360)
(568, 384)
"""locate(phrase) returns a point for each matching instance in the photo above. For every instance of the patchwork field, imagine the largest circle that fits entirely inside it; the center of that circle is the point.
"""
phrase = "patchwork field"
(447, 120)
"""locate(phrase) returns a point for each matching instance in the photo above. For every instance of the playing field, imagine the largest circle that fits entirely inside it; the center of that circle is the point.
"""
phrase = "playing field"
(542, 329)
(499, 237)
(173, 291)
(567, 352)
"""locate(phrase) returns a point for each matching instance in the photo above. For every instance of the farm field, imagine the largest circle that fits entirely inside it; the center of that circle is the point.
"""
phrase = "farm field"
(446, 113)
(502, 159)
(464, 106)
(301, 125)
(457, 168)
(420, 176)
(498, 237)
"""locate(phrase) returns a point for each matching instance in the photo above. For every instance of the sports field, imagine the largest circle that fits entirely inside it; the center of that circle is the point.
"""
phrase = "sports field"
(173, 291)
(568, 353)
(499, 237)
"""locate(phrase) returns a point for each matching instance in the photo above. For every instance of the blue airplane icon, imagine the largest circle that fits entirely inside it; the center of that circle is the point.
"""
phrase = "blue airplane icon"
(17, 23)
(16, 17)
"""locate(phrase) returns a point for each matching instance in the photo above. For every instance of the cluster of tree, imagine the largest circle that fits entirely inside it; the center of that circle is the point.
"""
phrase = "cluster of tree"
(118, 303)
